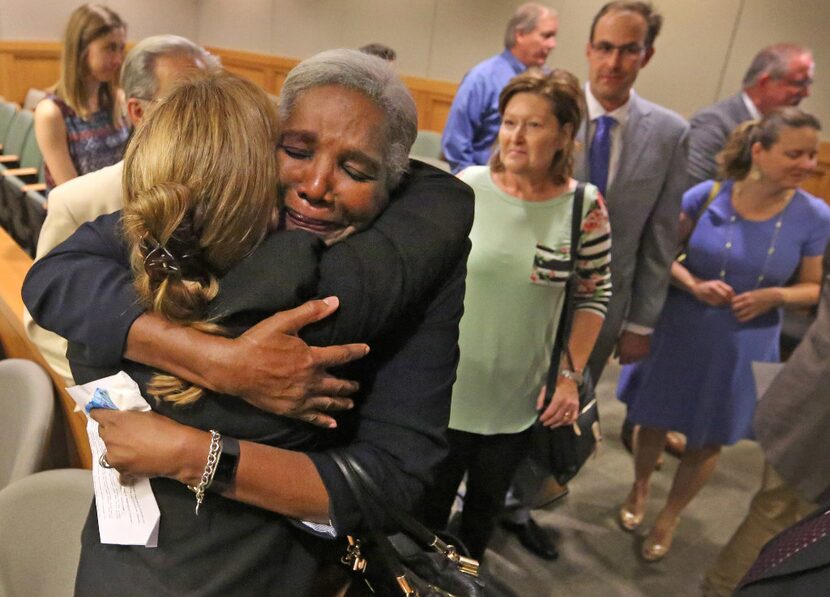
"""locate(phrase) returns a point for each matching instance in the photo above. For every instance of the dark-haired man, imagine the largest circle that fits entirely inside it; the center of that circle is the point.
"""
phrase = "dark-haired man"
(636, 154)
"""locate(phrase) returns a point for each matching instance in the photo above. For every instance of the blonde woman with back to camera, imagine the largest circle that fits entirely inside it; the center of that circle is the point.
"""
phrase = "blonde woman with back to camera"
(753, 235)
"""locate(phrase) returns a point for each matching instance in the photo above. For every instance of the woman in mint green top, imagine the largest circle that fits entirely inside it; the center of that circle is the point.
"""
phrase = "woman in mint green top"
(523, 212)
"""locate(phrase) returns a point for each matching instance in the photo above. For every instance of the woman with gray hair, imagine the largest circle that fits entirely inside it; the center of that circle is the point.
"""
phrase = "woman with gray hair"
(346, 126)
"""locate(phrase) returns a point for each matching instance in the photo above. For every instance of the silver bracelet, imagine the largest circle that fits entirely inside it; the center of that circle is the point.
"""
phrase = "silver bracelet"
(214, 453)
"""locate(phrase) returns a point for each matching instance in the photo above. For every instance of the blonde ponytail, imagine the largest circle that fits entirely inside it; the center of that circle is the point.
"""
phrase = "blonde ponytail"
(199, 189)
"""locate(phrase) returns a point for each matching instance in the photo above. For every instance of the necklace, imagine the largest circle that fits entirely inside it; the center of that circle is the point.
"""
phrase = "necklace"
(727, 250)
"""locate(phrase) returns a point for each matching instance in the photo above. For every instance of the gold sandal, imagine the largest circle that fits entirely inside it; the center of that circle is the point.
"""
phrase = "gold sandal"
(655, 550)
(628, 519)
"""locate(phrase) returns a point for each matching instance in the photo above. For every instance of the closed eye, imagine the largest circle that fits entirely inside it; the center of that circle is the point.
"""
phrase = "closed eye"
(296, 153)
(357, 175)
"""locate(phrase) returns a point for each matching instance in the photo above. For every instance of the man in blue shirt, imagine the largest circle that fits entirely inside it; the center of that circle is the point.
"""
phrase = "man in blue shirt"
(473, 123)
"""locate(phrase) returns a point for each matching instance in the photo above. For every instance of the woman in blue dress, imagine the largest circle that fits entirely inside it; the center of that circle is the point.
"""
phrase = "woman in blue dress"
(756, 247)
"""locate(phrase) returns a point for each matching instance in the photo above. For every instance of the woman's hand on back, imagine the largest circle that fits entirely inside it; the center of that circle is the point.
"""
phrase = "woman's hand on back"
(274, 370)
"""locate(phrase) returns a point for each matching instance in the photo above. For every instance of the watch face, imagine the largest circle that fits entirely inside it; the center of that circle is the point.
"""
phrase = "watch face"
(572, 375)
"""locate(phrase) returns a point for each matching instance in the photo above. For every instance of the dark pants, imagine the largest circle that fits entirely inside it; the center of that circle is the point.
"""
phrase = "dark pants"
(490, 462)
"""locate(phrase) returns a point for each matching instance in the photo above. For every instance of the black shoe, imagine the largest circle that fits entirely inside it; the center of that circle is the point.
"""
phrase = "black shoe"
(533, 537)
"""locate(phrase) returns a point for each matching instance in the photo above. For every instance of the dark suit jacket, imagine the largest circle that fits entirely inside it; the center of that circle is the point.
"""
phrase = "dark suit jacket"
(710, 128)
(83, 291)
(804, 574)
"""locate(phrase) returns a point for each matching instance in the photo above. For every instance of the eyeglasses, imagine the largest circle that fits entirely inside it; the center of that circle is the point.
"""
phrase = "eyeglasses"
(800, 83)
(605, 49)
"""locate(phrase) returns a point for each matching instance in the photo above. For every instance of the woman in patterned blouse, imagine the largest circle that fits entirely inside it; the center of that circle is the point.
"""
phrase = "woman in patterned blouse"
(516, 278)
(80, 126)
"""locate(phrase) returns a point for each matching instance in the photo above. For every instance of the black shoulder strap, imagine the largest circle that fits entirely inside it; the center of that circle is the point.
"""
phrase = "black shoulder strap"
(563, 331)
(374, 507)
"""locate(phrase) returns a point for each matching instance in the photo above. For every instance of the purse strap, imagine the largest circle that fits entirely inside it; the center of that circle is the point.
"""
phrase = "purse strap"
(563, 331)
(366, 492)
(713, 193)
(385, 551)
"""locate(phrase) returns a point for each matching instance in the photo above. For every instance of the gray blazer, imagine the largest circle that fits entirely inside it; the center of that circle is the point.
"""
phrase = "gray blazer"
(792, 420)
(710, 128)
(643, 205)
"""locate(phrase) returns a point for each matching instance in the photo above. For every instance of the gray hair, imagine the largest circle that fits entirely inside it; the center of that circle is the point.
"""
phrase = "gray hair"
(138, 76)
(525, 20)
(375, 79)
(773, 60)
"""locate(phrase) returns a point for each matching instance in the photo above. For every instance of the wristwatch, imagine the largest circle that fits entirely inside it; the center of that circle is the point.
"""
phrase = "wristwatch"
(574, 376)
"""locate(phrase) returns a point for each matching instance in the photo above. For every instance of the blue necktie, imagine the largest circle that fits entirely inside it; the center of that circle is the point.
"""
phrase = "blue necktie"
(600, 153)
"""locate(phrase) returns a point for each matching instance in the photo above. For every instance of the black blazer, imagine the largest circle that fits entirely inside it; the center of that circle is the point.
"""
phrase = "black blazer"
(804, 574)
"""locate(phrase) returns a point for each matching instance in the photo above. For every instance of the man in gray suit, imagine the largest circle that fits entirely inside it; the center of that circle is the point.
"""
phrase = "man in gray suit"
(635, 152)
(791, 423)
(780, 75)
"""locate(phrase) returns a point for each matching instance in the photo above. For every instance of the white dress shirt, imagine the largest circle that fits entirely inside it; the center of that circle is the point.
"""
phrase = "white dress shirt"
(595, 110)
(750, 105)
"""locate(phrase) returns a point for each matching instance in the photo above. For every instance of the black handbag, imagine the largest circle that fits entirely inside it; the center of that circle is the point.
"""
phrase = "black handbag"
(413, 561)
(563, 450)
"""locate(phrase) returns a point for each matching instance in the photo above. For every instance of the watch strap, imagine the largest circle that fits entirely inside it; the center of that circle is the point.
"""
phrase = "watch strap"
(225, 474)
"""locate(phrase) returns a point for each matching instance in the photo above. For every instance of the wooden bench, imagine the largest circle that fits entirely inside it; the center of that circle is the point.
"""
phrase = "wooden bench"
(70, 446)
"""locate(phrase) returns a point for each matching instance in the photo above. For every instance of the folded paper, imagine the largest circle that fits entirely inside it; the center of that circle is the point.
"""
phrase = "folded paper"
(128, 514)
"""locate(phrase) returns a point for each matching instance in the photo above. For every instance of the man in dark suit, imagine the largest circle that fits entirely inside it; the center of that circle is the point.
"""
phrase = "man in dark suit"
(791, 424)
(635, 153)
(795, 562)
(780, 75)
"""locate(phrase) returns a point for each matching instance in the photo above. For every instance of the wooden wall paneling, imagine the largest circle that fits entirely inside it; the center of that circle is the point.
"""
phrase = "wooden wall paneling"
(267, 71)
(6, 61)
(25, 64)
(255, 75)
(433, 99)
